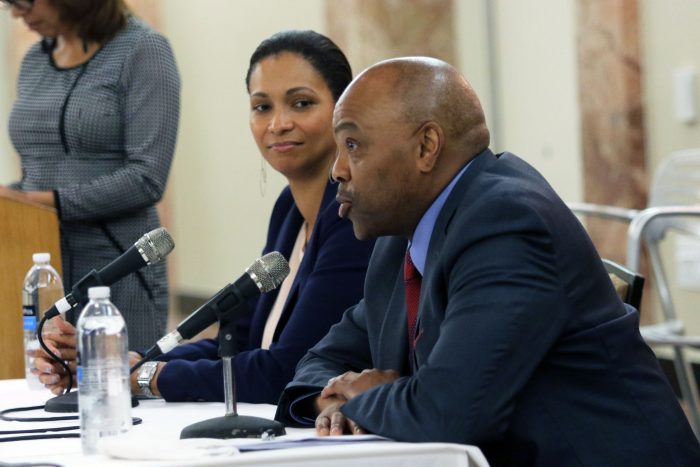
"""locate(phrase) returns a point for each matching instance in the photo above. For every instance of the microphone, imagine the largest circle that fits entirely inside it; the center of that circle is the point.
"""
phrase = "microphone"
(149, 249)
(265, 274)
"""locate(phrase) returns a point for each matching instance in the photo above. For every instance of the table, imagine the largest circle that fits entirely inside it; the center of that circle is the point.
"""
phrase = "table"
(162, 423)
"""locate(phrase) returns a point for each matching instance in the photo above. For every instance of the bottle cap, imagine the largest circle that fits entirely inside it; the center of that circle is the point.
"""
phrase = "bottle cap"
(98, 292)
(41, 257)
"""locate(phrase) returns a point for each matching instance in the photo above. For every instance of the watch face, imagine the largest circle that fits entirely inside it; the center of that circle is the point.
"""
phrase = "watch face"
(146, 373)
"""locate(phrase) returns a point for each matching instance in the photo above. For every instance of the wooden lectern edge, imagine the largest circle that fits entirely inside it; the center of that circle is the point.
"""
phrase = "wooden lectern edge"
(22, 200)
(25, 227)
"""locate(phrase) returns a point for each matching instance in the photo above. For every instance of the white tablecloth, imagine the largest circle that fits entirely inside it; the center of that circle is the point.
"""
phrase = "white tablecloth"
(162, 423)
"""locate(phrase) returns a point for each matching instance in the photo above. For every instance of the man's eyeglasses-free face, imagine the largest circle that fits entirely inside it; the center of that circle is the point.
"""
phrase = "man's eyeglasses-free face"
(21, 4)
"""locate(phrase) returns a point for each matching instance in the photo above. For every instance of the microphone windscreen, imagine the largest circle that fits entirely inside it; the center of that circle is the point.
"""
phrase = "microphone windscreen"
(155, 245)
(270, 271)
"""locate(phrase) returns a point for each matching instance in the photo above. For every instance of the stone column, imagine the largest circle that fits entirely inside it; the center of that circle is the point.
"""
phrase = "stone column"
(147, 10)
(612, 127)
(612, 123)
(372, 30)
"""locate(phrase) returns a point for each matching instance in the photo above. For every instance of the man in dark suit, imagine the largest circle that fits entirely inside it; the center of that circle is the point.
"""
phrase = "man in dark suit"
(520, 345)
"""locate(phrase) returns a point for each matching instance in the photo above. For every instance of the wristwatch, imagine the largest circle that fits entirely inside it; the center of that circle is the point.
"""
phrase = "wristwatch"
(143, 379)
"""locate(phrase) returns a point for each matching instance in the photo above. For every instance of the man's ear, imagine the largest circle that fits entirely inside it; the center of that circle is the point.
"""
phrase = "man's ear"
(430, 140)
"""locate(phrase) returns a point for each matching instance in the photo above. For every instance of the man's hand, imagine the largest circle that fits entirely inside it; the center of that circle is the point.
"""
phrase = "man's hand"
(331, 421)
(63, 343)
(350, 384)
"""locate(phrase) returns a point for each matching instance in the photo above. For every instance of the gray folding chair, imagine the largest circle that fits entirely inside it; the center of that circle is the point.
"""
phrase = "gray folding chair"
(628, 284)
(674, 205)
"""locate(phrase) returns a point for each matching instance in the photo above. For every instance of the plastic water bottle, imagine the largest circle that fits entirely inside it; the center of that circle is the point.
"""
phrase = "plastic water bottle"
(42, 288)
(104, 396)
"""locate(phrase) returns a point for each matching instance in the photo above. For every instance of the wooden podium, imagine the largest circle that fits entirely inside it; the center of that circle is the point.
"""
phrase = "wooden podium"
(24, 229)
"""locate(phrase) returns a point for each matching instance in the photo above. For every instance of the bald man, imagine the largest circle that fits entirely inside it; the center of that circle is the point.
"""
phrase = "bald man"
(521, 345)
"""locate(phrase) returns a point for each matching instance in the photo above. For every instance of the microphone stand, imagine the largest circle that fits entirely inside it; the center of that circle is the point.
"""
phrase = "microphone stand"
(231, 425)
(67, 402)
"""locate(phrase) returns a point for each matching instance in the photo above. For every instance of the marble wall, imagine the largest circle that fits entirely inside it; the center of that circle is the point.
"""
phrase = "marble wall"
(372, 30)
(612, 123)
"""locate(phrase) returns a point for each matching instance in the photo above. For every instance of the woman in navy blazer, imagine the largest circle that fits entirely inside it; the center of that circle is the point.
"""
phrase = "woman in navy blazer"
(294, 80)
(330, 279)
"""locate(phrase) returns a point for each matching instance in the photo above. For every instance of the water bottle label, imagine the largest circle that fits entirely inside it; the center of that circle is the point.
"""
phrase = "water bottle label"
(28, 310)
(30, 323)
(79, 372)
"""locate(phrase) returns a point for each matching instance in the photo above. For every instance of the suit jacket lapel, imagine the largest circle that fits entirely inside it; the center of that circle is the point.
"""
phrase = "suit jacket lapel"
(392, 346)
(480, 162)
(395, 329)
(307, 263)
(437, 240)
(309, 260)
(284, 243)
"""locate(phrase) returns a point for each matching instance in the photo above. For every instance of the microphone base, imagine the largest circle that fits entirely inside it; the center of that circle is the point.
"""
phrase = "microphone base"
(68, 403)
(233, 426)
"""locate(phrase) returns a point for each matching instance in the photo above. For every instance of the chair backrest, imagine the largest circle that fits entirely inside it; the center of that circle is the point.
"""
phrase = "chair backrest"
(676, 183)
(628, 284)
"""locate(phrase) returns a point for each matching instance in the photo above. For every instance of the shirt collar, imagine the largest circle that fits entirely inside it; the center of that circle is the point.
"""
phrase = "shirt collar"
(418, 246)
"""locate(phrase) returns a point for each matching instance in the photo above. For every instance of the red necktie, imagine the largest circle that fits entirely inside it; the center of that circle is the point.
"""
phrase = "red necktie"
(412, 280)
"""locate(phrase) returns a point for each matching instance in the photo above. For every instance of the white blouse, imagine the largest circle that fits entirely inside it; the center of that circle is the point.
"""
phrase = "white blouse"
(294, 262)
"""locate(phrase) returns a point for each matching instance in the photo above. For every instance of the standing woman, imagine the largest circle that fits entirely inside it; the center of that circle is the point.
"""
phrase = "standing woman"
(95, 123)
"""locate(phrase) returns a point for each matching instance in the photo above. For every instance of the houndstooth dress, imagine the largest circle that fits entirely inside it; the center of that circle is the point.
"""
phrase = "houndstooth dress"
(102, 136)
